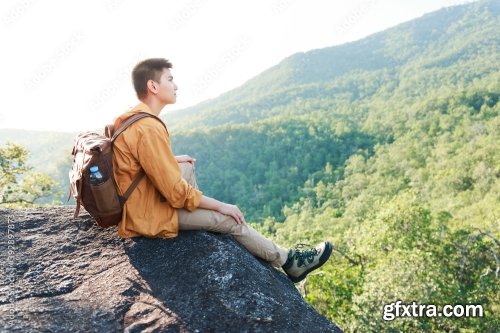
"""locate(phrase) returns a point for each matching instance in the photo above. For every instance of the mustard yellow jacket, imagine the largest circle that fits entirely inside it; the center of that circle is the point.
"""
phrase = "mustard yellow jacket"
(146, 144)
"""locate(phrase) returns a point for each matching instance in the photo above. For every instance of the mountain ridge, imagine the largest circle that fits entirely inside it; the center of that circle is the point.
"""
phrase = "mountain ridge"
(330, 63)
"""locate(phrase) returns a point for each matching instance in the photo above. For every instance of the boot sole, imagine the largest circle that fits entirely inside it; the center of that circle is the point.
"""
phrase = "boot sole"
(324, 257)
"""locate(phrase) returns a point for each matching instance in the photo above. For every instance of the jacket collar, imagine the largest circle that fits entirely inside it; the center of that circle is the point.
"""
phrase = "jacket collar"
(141, 107)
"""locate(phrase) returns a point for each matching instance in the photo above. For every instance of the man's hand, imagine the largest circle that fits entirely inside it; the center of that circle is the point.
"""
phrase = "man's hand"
(223, 208)
(185, 158)
(232, 211)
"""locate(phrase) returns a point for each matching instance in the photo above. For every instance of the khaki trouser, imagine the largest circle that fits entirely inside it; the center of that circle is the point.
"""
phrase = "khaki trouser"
(210, 220)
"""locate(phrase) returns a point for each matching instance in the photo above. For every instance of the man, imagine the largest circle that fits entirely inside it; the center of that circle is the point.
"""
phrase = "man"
(168, 200)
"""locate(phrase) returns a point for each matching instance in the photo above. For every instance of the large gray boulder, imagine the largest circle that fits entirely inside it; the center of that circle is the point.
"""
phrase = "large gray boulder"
(61, 274)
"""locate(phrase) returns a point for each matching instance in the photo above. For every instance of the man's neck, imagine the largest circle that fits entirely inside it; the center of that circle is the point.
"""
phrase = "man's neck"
(154, 105)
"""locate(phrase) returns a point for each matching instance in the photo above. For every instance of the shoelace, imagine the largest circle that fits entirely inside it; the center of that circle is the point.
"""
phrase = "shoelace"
(304, 255)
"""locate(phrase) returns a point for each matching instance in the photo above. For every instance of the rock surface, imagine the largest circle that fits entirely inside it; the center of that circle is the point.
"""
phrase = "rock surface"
(61, 274)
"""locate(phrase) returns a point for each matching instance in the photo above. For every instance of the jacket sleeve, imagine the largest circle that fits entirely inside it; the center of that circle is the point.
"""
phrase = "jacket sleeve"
(158, 161)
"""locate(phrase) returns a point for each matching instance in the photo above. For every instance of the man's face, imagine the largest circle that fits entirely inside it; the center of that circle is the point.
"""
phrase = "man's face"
(167, 88)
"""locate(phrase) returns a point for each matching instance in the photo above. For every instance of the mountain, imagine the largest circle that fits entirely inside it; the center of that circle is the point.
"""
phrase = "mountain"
(445, 39)
(43, 145)
(318, 108)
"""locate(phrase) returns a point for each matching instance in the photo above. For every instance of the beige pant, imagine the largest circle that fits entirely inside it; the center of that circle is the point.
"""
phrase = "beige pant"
(210, 220)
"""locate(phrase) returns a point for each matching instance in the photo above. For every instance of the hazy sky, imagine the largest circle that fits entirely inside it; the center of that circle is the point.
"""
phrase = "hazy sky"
(65, 65)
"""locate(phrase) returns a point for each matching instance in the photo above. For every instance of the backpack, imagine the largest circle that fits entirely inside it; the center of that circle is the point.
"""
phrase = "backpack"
(102, 202)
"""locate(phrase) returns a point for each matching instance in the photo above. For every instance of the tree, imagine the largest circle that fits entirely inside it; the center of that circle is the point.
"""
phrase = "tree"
(19, 184)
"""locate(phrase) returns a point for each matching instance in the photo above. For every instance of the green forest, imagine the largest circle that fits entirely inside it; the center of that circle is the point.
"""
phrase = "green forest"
(387, 146)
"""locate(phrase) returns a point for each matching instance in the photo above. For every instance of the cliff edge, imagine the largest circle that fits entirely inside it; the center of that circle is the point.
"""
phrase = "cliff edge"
(67, 275)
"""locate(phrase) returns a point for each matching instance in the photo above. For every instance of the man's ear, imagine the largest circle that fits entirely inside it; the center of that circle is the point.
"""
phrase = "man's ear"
(152, 86)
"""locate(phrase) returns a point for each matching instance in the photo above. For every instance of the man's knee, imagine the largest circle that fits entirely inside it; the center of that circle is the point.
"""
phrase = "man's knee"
(186, 168)
(187, 172)
(239, 229)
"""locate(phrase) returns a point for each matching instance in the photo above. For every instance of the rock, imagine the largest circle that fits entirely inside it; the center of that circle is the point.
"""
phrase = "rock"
(68, 275)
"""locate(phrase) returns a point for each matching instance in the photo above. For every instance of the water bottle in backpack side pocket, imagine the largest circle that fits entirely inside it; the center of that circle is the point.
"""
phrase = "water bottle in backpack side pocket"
(104, 192)
(96, 177)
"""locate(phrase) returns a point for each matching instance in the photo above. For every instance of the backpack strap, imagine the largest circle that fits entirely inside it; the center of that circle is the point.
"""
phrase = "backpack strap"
(131, 188)
(109, 133)
(126, 124)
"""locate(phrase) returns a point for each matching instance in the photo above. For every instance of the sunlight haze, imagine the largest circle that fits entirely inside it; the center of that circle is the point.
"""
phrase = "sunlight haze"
(66, 65)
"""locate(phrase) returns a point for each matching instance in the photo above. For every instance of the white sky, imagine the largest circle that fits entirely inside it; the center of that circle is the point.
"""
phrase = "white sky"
(65, 65)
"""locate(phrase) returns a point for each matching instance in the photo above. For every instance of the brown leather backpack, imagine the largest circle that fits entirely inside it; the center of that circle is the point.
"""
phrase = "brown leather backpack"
(103, 201)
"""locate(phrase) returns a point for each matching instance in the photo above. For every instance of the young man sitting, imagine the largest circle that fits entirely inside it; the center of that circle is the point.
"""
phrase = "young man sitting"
(168, 199)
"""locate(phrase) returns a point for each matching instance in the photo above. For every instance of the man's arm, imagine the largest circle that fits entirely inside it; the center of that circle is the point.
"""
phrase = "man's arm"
(213, 204)
(156, 158)
(223, 208)
(160, 164)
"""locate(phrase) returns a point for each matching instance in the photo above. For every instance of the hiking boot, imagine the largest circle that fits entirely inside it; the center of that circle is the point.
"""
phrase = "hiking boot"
(302, 262)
